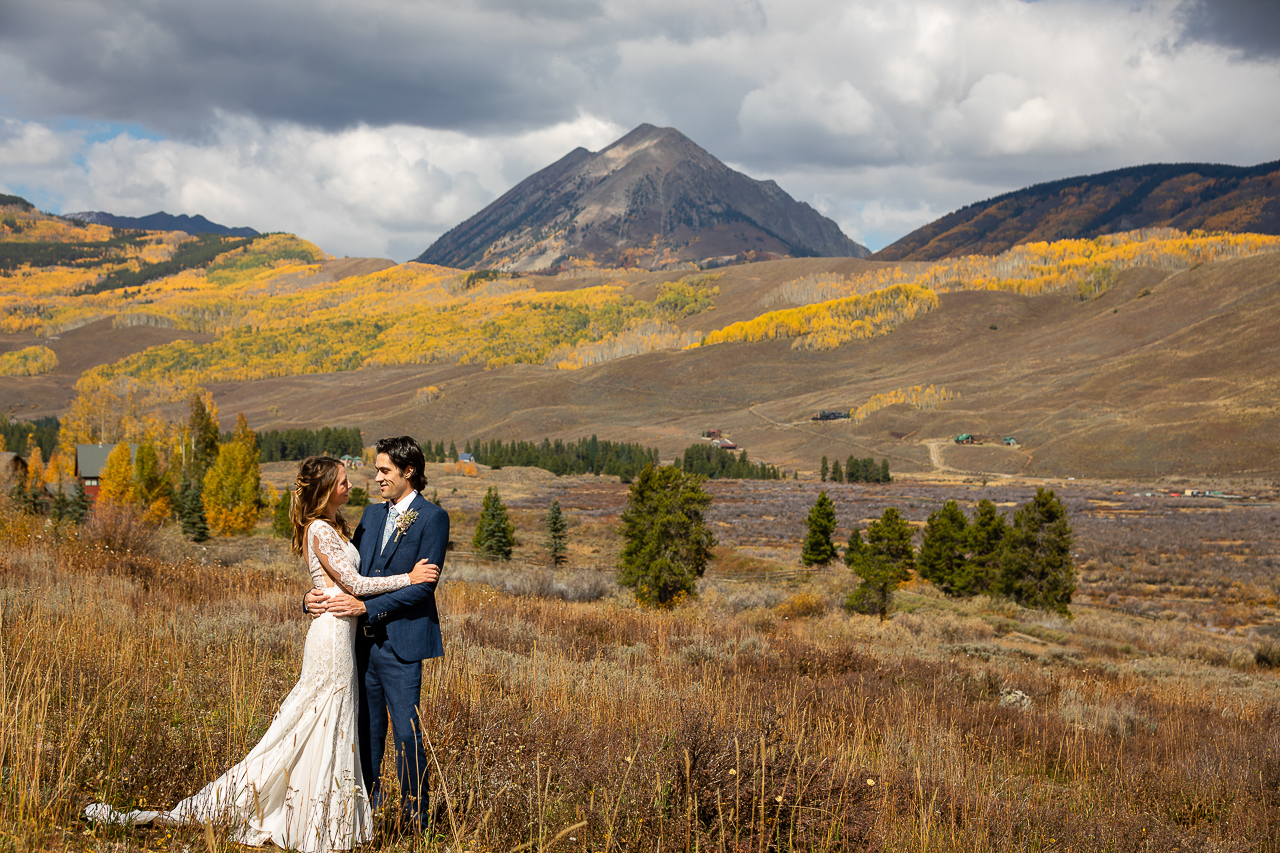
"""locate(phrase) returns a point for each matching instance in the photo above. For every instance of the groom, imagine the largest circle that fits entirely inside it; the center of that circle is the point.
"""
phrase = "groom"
(397, 630)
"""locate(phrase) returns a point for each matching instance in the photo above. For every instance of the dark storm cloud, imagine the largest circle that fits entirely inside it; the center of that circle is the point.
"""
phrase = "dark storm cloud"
(1251, 27)
(482, 66)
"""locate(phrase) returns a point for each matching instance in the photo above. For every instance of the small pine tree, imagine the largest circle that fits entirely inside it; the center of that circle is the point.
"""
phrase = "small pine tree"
(453, 452)
(884, 472)
(884, 564)
(823, 470)
(557, 535)
(281, 525)
(855, 549)
(667, 543)
(851, 473)
(942, 550)
(78, 511)
(495, 536)
(1034, 561)
(818, 549)
(985, 535)
(194, 524)
(837, 476)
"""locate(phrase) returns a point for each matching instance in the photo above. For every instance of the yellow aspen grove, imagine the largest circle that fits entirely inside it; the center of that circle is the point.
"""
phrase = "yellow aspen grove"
(232, 483)
(116, 479)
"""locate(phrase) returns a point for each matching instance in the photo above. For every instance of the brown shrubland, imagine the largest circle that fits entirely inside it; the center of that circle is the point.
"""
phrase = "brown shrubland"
(757, 717)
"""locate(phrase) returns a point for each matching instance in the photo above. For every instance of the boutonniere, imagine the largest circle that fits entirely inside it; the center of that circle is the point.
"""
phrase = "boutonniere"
(403, 522)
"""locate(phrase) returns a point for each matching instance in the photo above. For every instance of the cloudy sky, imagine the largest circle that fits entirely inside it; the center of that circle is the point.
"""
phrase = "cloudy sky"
(371, 128)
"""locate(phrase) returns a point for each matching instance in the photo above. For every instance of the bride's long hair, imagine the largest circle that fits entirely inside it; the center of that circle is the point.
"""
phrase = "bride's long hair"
(317, 477)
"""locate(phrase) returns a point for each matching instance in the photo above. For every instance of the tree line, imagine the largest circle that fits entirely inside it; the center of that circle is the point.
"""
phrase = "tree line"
(585, 456)
(1027, 559)
(296, 444)
(856, 471)
(716, 463)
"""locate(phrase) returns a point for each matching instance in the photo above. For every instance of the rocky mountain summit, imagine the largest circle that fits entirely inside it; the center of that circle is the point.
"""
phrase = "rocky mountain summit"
(653, 199)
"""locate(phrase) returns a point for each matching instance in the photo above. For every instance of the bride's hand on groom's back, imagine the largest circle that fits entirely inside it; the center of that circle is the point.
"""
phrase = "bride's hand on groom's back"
(424, 571)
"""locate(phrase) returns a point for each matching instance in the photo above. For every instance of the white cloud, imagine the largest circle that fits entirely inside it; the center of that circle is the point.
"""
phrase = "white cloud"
(364, 191)
(373, 130)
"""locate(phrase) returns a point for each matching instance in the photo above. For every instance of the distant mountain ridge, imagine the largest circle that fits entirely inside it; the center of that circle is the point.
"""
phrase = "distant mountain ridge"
(161, 222)
(653, 198)
(1186, 196)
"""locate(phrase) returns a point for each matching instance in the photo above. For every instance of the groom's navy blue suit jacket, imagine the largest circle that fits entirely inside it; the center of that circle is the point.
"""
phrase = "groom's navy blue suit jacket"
(409, 614)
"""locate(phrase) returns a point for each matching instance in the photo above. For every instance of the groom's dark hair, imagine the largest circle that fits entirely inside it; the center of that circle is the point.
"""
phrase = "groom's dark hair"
(405, 454)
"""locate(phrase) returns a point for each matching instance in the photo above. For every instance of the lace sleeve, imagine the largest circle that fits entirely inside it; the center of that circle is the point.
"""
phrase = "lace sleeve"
(329, 550)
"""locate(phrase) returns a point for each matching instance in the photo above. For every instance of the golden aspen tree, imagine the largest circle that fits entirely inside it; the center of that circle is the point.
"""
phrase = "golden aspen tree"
(116, 478)
(231, 484)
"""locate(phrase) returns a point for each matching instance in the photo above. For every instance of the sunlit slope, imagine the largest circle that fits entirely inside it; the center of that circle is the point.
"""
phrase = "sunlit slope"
(1119, 342)
(1166, 373)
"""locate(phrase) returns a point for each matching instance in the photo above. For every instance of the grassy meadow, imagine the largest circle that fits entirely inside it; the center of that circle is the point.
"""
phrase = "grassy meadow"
(758, 717)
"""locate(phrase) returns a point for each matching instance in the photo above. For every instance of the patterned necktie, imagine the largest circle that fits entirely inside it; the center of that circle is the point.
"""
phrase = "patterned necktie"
(392, 515)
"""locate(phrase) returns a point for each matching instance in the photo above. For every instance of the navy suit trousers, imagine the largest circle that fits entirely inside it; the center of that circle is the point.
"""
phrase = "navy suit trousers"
(395, 685)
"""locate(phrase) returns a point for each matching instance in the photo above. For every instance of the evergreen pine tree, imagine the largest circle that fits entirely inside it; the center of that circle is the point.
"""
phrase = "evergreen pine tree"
(851, 473)
(837, 476)
(942, 550)
(884, 472)
(890, 536)
(202, 438)
(453, 452)
(281, 525)
(194, 525)
(557, 535)
(495, 536)
(855, 549)
(823, 470)
(1034, 560)
(884, 564)
(985, 535)
(60, 507)
(667, 543)
(818, 549)
(78, 511)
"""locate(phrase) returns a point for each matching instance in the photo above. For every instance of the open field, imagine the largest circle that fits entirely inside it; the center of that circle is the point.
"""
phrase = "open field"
(758, 717)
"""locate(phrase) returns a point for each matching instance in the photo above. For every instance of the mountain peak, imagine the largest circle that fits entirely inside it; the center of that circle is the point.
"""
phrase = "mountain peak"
(652, 198)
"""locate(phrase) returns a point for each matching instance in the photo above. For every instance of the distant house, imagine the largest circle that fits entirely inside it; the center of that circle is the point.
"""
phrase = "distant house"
(724, 444)
(466, 457)
(13, 469)
(830, 415)
(351, 461)
(90, 460)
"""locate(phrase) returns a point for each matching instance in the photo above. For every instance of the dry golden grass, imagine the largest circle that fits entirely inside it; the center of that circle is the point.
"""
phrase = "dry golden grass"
(759, 717)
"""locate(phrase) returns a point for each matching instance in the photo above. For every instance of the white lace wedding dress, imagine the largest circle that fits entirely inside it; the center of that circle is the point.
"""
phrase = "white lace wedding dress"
(300, 787)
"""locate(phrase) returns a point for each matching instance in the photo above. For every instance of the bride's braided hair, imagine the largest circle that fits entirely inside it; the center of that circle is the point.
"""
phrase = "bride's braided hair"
(317, 477)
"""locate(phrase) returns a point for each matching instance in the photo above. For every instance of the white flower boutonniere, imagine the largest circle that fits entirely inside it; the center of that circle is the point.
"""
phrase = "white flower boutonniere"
(403, 522)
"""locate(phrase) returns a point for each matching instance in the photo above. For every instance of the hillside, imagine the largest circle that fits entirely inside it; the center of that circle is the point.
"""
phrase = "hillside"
(1186, 196)
(161, 222)
(652, 199)
(1165, 374)
(1127, 355)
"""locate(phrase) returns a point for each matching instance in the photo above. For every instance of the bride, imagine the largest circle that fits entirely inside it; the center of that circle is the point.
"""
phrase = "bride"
(301, 786)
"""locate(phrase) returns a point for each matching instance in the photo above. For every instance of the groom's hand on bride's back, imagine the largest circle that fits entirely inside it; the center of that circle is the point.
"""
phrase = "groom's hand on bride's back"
(344, 604)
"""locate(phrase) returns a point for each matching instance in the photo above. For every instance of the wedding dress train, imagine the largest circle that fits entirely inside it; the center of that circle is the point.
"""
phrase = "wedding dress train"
(300, 786)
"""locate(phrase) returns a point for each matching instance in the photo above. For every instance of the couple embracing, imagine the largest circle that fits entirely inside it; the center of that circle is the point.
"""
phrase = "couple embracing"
(312, 782)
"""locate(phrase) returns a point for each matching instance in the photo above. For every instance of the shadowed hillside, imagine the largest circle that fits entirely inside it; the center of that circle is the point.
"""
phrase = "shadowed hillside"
(1184, 196)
